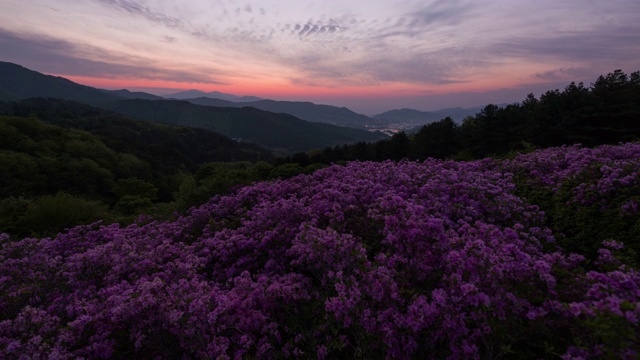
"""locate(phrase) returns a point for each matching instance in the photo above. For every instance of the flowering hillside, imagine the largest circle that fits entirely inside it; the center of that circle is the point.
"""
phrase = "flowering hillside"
(439, 259)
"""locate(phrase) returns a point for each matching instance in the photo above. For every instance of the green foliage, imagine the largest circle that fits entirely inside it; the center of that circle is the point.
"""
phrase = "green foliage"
(587, 222)
(584, 214)
(12, 212)
(132, 204)
(261, 170)
(219, 178)
(606, 328)
(165, 148)
(51, 214)
(396, 148)
(19, 174)
(133, 195)
(311, 168)
(286, 171)
(135, 186)
(436, 140)
(121, 166)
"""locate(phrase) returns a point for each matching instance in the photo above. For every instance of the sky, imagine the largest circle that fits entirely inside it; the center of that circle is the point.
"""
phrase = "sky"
(370, 56)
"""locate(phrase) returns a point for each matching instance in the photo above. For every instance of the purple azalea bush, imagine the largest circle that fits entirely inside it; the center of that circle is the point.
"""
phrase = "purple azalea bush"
(432, 260)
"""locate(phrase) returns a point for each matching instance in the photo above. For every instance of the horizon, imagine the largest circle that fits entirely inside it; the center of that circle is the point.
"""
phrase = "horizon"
(367, 57)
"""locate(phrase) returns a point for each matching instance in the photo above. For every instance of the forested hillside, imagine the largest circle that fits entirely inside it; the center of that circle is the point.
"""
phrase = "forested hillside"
(168, 147)
(281, 133)
(63, 164)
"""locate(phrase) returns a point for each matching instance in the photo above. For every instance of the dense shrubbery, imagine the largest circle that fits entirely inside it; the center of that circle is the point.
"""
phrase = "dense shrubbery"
(588, 195)
(369, 260)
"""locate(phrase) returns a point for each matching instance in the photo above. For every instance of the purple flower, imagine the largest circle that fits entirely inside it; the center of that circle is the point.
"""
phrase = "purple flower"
(439, 259)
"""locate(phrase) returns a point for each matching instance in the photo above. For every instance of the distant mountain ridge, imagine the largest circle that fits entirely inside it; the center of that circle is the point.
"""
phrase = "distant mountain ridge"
(188, 94)
(283, 133)
(126, 94)
(308, 111)
(417, 117)
(18, 83)
(408, 116)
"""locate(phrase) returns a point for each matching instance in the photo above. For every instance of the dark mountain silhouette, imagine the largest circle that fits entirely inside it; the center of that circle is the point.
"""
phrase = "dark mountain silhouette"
(408, 116)
(304, 110)
(18, 83)
(188, 94)
(126, 94)
(459, 113)
(207, 101)
(6, 96)
(280, 132)
(416, 117)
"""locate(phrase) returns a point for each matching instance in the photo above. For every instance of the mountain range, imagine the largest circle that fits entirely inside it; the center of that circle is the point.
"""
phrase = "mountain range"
(278, 132)
(189, 94)
(273, 127)
(342, 116)
(126, 94)
(411, 117)
(304, 110)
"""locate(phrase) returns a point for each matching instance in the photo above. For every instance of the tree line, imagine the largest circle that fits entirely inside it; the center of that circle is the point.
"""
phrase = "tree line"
(607, 112)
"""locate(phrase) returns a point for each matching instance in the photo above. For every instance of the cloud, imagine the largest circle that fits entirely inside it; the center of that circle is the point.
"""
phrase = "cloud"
(569, 73)
(446, 66)
(600, 43)
(443, 43)
(351, 48)
(56, 56)
(134, 8)
(425, 19)
(169, 39)
(326, 44)
(439, 13)
(316, 28)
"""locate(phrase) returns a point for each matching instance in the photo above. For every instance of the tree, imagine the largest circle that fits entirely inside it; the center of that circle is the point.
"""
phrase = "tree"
(437, 140)
(133, 194)
(51, 214)
(396, 148)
